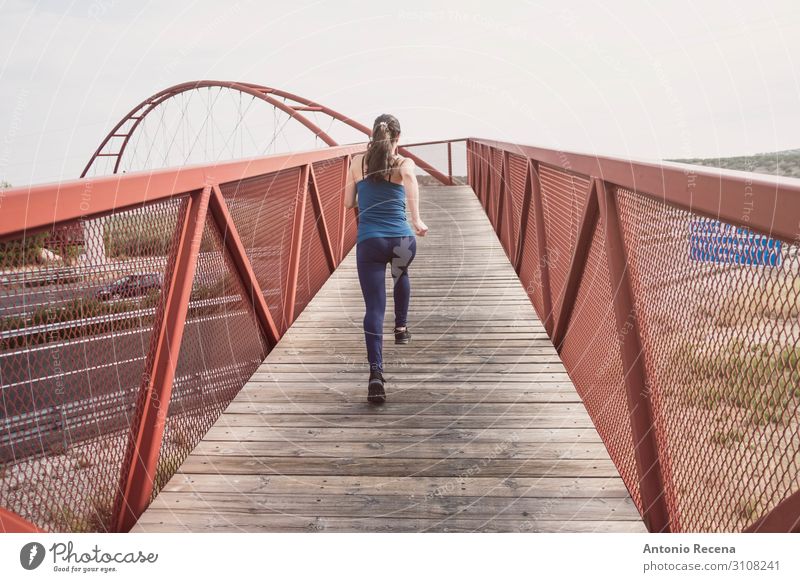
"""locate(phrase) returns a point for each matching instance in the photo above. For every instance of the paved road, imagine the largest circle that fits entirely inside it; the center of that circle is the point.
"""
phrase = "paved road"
(86, 383)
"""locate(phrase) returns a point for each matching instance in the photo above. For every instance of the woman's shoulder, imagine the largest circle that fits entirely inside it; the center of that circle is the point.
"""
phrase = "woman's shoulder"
(357, 165)
(402, 163)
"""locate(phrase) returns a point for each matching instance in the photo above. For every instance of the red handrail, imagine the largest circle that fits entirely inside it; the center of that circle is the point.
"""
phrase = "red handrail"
(10, 522)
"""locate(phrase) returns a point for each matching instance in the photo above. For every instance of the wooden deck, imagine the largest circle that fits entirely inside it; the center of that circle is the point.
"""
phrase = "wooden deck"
(482, 429)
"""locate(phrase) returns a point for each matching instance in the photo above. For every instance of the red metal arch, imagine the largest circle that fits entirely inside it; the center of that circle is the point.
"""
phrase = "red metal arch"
(266, 94)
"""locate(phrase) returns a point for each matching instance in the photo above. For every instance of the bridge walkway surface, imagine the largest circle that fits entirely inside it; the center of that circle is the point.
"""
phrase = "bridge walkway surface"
(482, 429)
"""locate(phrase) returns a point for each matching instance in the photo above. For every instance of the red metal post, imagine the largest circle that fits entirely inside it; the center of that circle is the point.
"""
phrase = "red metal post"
(541, 243)
(450, 162)
(577, 264)
(784, 518)
(484, 180)
(508, 207)
(470, 145)
(491, 208)
(322, 226)
(295, 245)
(233, 244)
(481, 167)
(10, 522)
(494, 187)
(342, 216)
(476, 170)
(502, 221)
(500, 210)
(525, 211)
(651, 484)
(144, 443)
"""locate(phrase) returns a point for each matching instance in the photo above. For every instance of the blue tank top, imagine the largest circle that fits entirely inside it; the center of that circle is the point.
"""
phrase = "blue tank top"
(381, 210)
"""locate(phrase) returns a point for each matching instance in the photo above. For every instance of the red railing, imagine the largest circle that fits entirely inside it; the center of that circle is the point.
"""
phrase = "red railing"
(451, 153)
(672, 294)
(134, 308)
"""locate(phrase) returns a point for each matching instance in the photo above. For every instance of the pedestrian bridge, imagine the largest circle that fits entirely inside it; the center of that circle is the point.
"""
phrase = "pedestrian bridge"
(598, 344)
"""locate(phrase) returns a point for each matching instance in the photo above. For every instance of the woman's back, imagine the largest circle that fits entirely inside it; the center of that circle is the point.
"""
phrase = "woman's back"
(382, 206)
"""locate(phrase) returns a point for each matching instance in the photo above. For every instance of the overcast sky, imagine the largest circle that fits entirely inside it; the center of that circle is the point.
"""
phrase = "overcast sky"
(653, 79)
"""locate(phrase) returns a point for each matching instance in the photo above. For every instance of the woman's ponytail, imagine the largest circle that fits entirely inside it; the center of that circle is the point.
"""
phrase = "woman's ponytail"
(379, 150)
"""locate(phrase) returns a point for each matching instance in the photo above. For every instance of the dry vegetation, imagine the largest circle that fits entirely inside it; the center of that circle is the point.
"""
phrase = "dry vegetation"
(783, 163)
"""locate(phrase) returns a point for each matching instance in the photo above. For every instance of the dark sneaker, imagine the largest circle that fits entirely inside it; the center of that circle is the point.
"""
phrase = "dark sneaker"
(402, 337)
(375, 392)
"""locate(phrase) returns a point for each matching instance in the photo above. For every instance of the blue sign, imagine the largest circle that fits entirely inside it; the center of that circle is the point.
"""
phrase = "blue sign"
(717, 242)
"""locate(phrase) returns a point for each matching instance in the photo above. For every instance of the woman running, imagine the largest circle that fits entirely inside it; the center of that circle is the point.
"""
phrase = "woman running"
(382, 181)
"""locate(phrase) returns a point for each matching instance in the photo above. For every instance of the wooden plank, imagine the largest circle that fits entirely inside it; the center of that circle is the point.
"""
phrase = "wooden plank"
(221, 432)
(429, 409)
(178, 522)
(271, 389)
(414, 507)
(448, 375)
(482, 431)
(420, 450)
(455, 486)
(385, 420)
(412, 394)
(324, 369)
(398, 466)
(423, 357)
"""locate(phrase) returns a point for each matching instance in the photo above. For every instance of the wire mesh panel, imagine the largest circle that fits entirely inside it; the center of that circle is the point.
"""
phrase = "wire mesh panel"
(719, 309)
(530, 269)
(78, 306)
(330, 175)
(313, 269)
(262, 208)
(221, 349)
(496, 170)
(591, 354)
(563, 199)
(517, 172)
(483, 163)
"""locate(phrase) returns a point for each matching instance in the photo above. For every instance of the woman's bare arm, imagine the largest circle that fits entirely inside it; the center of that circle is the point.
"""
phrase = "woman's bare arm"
(412, 194)
(350, 188)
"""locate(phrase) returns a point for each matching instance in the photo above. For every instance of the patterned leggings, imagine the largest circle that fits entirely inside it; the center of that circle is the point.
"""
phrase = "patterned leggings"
(372, 255)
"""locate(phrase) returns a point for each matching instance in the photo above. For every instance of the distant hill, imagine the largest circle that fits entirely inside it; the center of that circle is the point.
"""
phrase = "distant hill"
(783, 163)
